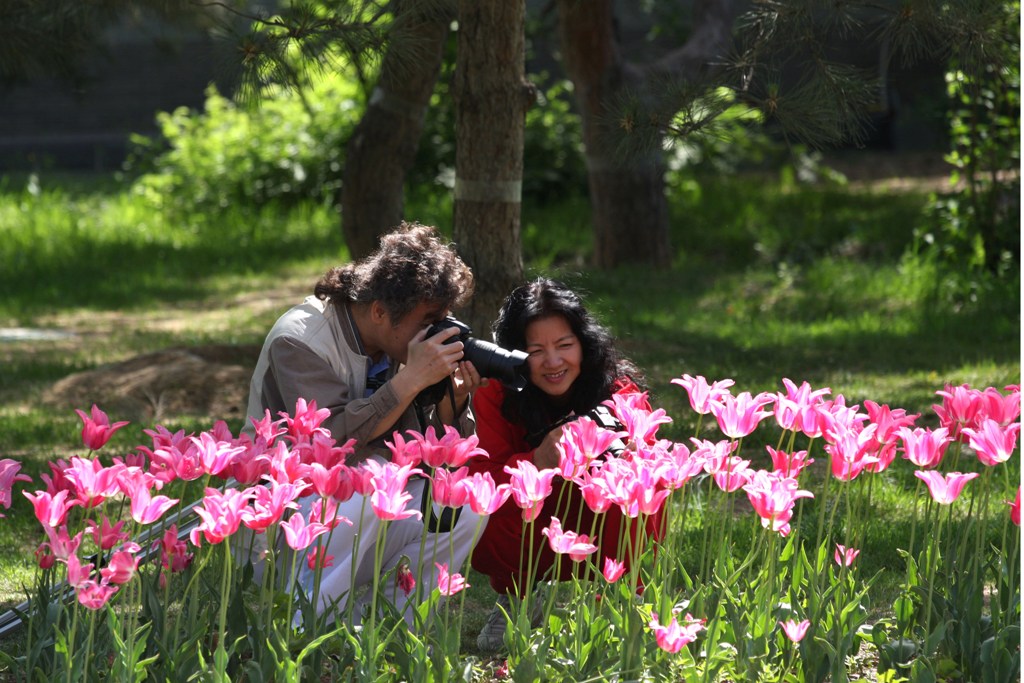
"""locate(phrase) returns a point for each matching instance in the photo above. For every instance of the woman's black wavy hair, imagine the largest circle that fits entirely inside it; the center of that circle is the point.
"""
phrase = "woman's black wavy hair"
(601, 363)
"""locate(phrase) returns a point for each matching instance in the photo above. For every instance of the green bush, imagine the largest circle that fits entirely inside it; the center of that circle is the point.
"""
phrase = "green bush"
(288, 149)
(976, 227)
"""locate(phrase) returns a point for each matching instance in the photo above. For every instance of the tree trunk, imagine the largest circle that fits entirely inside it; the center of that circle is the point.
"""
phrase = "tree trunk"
(383, 145)
(627, 198)
(491, 98)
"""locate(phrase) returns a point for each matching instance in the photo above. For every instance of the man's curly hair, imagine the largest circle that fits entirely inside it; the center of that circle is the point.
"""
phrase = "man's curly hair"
(413, 264)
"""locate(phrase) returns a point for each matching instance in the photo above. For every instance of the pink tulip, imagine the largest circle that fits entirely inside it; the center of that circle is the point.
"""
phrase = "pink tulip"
(577, 547)
(60, 543)
(679, 465)
(405, 452)
(530, 487)
(888, 420)
(105, 534)
(389, 496)
(180, 460)
(300, 535)
(887, 423)
(450, 488)
(269, 504)
(634, 412)
(449, 584)
(701, 394)
(78, 573)
(850, 447)
(582, 441)
(993, 442)
(326, 480)
(1015, 508)
(318, 559)
(147, 508)
(122, 565)
(451, 450)
(8, 475)
(93, 483)
(773, 498)
(1004, 409)
(215, 456)
(57, 482)
(924, 447)
(732, 473)
(307, 419)
(944, 489)
(97, 430)
(174, 554)
(644, 493)
(673, 637)
(44, 558)
(844, 556)
(94, 596)
(792, 409)
(325, 511)
(51, 511)
(613, 570)
(404, 578)
(484, 497)
(960, 408)
(268, 429)
(789, 464)
(739, 416)
(324, 450)
(795, 630)
(595, 493)
(221, 512)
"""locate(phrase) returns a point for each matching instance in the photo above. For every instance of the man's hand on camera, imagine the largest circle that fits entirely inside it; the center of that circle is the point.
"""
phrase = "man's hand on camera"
(429, 360)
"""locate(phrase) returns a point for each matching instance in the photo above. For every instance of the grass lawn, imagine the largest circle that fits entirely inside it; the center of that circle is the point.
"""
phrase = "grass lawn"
(769, 281)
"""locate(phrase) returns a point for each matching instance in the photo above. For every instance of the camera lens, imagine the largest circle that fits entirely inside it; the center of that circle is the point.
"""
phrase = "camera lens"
(490, 359)
(493, 361)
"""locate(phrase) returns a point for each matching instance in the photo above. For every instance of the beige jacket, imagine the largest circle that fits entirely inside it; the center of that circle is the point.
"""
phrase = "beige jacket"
(313, 352)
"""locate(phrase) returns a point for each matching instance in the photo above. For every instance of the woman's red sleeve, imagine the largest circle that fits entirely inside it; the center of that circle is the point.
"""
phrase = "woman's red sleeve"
(502, 440)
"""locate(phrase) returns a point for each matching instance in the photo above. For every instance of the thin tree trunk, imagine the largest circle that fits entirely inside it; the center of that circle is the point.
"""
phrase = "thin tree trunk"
(627, 195)
(491, 98)
(383, 145)
(627, 198)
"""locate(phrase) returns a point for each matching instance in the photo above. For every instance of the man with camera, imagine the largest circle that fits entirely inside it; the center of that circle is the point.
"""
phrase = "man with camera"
(366, 346)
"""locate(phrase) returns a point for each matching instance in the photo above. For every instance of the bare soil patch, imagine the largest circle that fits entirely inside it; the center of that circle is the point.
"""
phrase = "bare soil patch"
(201, 380)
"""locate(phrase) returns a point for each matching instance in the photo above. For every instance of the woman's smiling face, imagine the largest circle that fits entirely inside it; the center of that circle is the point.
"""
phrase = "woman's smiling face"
(555, 355)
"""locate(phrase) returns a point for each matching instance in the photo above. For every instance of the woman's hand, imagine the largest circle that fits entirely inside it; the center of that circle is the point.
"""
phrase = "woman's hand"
(466, 380)
(546, 456)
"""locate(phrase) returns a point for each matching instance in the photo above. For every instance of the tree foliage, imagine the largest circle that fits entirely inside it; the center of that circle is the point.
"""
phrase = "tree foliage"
(791, 61)
(51, 38)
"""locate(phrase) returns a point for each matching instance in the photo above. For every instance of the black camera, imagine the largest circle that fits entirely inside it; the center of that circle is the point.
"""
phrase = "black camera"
(489, 359)
(605, 418)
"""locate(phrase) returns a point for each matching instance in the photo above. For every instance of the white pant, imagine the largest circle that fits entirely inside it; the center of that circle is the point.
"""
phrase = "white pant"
(401, 538)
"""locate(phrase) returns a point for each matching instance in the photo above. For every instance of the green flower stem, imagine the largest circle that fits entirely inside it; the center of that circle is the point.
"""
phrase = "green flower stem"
(225, 592)
(378, 560)
(71, 640)
(356, 542)
(932, 566)
(418, 595)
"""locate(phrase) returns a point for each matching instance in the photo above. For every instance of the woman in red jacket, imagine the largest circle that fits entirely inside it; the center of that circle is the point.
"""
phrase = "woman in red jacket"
(573, 367)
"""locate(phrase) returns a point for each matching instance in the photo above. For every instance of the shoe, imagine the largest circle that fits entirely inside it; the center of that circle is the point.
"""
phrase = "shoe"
(492, 636)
